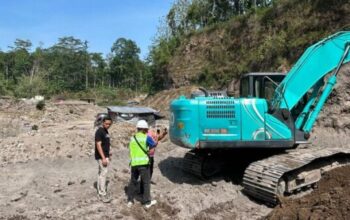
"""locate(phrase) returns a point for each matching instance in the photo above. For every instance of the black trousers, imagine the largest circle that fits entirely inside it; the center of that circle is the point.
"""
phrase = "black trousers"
(151, 163)
(144, 173)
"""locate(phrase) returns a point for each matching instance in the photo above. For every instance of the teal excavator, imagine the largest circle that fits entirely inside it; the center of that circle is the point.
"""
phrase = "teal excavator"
(275, 112)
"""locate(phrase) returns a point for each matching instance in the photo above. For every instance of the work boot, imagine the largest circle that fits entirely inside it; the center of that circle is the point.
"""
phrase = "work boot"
(105, 198)
(130, 204)
(150, 204)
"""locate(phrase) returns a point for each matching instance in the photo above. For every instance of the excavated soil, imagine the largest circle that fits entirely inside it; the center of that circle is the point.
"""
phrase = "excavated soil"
(329, 201)
(332, 198)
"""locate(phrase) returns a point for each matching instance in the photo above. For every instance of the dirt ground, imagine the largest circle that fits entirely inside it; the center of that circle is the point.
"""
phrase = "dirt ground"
(48, 170)
(329, 201)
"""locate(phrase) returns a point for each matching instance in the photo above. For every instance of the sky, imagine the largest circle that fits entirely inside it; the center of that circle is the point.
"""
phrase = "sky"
(100, 22)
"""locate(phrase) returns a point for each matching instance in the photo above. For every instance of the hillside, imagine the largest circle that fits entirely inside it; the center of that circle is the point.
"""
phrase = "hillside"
(270, 39)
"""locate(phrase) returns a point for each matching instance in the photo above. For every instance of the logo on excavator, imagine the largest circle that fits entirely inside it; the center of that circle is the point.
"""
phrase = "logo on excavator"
(261, 134)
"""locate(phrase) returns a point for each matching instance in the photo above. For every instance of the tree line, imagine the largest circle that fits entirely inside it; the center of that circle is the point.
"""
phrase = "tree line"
(185, 16)
(68, 66)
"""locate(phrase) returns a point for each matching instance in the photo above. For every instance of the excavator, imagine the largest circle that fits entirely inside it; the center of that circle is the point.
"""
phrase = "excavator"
(275, 112)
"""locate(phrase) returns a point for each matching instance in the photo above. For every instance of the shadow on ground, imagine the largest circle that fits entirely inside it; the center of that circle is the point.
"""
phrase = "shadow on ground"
(171, 168)
(233, 165)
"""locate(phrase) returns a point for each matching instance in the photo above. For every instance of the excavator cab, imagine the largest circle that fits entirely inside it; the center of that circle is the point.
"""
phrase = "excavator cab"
(260, 85)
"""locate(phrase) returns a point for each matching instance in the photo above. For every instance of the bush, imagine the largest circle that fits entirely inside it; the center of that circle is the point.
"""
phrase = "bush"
(3, 90)
(28, 88)
(40, 105)
(35, 127)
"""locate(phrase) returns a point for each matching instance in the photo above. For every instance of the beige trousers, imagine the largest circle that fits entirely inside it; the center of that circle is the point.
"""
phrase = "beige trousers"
(102, 176)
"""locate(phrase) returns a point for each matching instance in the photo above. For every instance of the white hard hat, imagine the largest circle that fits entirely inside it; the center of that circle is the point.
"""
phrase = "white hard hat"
(142, 124)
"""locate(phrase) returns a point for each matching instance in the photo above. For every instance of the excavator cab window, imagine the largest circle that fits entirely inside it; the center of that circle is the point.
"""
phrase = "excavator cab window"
(269, 89)
(260, 85)
(244, 87)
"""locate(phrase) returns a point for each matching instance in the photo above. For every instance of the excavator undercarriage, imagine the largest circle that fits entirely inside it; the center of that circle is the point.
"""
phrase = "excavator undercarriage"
(277, 176)
(273, 177)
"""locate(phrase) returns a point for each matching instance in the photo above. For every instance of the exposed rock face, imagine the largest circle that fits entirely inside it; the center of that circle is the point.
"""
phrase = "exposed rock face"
(271, 40)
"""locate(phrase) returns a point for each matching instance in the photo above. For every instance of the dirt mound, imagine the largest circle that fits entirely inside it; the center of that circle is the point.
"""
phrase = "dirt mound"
(336, 113)
(329, 201)
(121, 137)
(63, 129)
(161, 100)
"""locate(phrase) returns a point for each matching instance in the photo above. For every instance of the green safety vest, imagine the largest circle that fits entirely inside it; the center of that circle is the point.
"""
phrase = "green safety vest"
(137, 156)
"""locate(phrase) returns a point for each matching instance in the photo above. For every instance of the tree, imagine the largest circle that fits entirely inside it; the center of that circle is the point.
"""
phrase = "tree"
(20, 58)
(125, 63)
(98, 67)
(20, 44)
(69, 64)
(126, 49)
(177, 17)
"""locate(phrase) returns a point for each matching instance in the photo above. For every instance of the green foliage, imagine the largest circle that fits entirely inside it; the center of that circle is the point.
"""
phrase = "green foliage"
(68, 67)
(68, 64)
(3, 90)
(161, 53)
(20, 44)
(126, 69)
(188, 18)
(28, 88)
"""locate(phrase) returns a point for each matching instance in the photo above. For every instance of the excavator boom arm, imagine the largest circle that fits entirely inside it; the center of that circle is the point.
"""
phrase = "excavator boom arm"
(316, 62)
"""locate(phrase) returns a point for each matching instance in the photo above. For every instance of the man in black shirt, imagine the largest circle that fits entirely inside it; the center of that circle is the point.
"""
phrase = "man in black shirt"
(102, 154)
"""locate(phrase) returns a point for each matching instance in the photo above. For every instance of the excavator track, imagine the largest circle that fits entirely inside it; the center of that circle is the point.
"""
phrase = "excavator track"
(202, 165)
(192, 163)
(274, 177)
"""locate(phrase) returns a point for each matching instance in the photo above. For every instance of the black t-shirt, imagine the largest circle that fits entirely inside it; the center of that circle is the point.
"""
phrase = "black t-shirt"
(103, 136)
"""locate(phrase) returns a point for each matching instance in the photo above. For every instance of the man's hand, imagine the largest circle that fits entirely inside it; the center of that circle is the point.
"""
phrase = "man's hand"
(164, 133)
(105, 162)
(151, 151)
